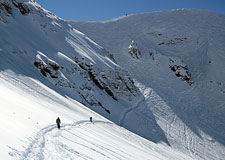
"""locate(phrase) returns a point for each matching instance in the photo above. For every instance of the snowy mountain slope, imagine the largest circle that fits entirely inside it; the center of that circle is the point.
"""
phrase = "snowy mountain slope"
(83, 140)
(28, 131)
(27, 106)
(46, 68)
(177, 60)
(76, 66)
(68, 59)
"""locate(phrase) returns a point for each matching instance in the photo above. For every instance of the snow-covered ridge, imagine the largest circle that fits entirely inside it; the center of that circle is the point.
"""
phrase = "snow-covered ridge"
(80, 62)
(180, 73)
(46, 68)
(171, 93)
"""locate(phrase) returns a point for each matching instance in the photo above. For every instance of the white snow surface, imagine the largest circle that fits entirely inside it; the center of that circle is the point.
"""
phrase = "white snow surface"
(180, 72)
(168, 87)
(28, 131)
(47, 69)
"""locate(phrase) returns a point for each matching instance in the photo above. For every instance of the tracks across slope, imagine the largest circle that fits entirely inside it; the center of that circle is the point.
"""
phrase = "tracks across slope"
(93, 140)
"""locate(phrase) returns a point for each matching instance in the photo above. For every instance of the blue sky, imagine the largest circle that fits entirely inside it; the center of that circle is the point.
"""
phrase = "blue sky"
(107, 9)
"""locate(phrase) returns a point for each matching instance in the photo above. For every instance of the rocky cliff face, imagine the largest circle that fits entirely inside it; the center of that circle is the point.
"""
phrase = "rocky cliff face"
(133, 50)
(85, 78)
(65, 57)
(5, 12)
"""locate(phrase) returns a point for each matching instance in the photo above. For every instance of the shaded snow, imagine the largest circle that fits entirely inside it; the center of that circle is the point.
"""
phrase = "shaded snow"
(176, 101)
(28, 115)
(180, 73)
(46, 67)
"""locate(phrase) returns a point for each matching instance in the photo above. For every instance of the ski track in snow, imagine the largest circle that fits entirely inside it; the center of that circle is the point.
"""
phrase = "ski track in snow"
(127, 110)
(201, 52)
(35, 150)
(47, 145)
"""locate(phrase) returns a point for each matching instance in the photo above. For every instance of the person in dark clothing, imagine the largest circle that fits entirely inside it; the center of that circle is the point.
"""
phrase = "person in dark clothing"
(58, 121)
(90, 119)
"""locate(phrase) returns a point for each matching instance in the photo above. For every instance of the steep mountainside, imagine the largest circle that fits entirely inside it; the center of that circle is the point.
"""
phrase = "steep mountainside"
(177, 60)
(47, 69)
(160, 75)
(48, 46)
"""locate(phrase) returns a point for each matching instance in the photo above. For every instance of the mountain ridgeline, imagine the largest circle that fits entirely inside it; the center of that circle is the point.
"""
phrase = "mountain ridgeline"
(160, 75)
(177, 61)
(64, 56)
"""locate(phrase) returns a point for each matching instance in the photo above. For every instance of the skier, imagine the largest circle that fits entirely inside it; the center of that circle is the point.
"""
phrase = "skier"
(90, 119)
(58, 122)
